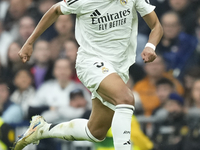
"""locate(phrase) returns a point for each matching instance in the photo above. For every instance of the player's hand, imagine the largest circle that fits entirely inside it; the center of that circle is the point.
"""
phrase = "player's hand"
(25, 52)
(148, 55)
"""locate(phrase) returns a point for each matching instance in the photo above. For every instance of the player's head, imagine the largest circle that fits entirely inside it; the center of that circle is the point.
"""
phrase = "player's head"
(70, 49)
(171, 25)
(41, 52)
(62, 70)
(23, 79)
(156, 68)
(26, 26)
(4, 91)
(164, 87)
(64, 24)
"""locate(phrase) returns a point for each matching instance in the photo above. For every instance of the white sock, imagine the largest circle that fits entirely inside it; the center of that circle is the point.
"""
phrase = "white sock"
(121, 126)
(74, 130)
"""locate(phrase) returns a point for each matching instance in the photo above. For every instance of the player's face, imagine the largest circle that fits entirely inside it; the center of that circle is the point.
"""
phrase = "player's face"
(62, 70)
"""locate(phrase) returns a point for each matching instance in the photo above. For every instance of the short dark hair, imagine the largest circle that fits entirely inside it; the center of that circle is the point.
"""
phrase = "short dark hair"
(76, 92)
(165, 81)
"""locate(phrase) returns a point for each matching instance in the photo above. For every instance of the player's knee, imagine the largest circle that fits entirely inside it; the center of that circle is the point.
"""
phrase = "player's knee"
(127, 98)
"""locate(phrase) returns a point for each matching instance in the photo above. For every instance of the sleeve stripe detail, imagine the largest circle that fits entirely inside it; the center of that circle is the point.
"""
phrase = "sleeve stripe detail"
(71, 2)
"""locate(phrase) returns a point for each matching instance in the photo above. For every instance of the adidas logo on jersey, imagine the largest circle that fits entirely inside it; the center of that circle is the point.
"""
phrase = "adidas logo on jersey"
(95, 13)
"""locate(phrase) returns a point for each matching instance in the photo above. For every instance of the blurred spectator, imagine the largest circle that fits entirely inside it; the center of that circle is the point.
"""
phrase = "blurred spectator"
(9, 112)
(162, 6)
(64, 26)
(58, 92)
(26, 27)
(197, 54)
(186, 13)
(193, 116)
(45, 5)
(164, 87)
(146, 87)
(25, 92)
(198, 25)
(42, 68)
(17, 9)
(14, 62)
(77, 107)
(170, 133)
(194, 109)
(7, 135)
(190, 75)
(5, 73)
(5, 40)
(176, 47)
(70, 51)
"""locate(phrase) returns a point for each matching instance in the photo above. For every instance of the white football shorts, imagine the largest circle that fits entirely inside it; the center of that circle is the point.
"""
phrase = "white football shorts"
(92, 71)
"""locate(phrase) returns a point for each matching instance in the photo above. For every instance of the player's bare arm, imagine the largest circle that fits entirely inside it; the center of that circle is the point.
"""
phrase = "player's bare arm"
(148, 54)
(47, 20)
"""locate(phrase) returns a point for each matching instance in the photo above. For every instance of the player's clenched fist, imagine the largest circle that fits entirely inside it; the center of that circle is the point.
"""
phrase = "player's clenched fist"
(25, 52)
(148, 55)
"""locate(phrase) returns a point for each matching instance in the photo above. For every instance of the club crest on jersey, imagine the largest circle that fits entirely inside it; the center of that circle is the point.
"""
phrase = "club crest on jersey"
(123, 2)
(105, 70)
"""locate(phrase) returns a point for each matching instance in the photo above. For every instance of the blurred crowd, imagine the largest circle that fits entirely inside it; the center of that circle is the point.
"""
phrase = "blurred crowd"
(167, 91)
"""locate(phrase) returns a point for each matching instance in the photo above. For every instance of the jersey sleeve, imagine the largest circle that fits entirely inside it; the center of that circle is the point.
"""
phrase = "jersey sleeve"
(144, 7)
(70, 7)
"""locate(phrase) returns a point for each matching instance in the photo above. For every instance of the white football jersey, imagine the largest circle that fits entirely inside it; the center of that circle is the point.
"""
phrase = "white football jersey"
(107, 29)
